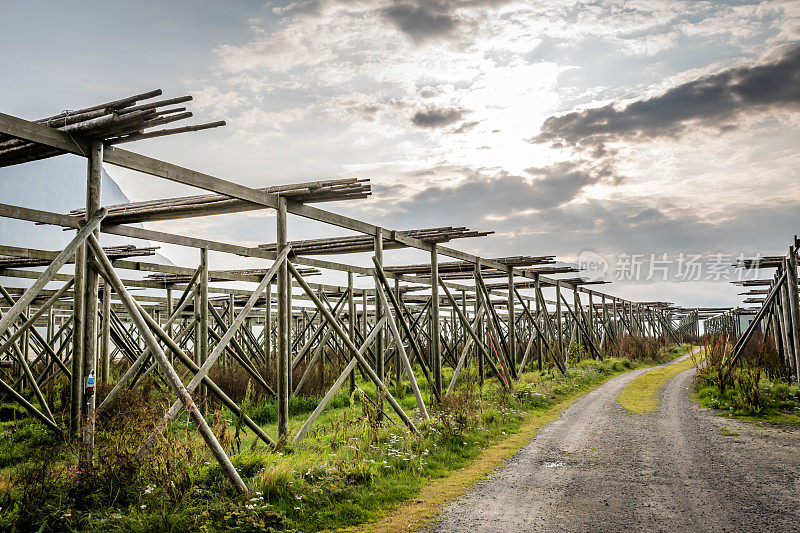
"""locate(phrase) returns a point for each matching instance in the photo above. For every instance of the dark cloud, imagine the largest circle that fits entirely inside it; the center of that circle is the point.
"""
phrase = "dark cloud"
(491, 193)
(423, 21)
(465, 127)
(508, 203)
(436, 117)
(562, 182)
(710, 101)
(638, 227)
(314, 7)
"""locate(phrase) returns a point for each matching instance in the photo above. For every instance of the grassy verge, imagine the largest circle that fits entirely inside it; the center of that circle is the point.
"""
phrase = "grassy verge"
(779, 402)
(641, 395)
(756, 389)
(351, 469)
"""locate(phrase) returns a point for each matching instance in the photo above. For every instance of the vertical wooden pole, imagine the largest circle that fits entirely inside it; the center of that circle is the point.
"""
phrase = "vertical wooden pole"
(379, 341)
(351, 326)
(614, 323)
(785, 322)
(364, 314)
(604, 320)
(578, 318)
(170, 328)
(196, 344)
(91, 286)
(78, 310)
(268, 325)
(481, 330)
(26, 341)
(289, 337)
(203, 329)
(794, 306)
(592, 319)
(539, 338)
(231, 310)
(434, 327)
(105, 335)
(464, 312)
(559, 326)
(323, 340)
(51, 325)
(397, 368)
(512, 321)
(284, 361)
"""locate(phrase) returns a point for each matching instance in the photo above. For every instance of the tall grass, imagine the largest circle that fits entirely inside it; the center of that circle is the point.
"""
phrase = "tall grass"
(757, 384)
(352, 465)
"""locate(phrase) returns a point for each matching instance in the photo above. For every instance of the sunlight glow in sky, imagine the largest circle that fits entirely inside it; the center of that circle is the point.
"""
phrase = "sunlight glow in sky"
(616, 126)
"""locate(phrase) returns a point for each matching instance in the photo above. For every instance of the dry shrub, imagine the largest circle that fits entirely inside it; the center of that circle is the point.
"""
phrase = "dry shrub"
(458, 409)
(57, 479)
(234, 379)
(740, 385)
(639, 348)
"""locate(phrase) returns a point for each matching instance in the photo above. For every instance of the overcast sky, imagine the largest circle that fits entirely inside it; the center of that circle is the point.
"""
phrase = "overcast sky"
(623, 128)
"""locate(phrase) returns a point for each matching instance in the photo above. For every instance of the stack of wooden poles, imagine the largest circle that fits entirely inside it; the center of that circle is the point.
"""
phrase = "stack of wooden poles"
(113, 252)
(466, 269)
(366, 243)
(224, 275)
(115, 122)
(217, 204)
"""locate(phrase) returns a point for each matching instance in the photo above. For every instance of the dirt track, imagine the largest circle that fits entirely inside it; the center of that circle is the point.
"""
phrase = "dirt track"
(600, 468)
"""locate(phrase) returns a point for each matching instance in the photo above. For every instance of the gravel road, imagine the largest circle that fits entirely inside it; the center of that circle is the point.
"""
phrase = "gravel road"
(601, 468)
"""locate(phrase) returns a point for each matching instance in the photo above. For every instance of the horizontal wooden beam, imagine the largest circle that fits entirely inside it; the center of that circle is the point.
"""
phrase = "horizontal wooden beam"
(42, 134)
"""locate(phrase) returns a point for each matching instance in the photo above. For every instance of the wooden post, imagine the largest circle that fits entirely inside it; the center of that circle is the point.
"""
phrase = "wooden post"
(786, 322)
(196, 313)
(364, 314)
(794, 306)
(94, 180)
(105, 335)
(231, 308)
(351, 322)
(323, 343)
(397, 368)
(559, 326)
(539, 335)
(291, 321)
(26, 343)
(434, 327)
(78, 310)
(268, 325)
(481, 329)
(203, 324)
(577, 318)
(170, 310)
(604, 320)
(592, 318)
(379, 341)
(512, 322)
(284, 362)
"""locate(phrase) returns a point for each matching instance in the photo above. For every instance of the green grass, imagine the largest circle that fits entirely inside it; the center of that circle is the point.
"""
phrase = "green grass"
(778, 402)
(641, 396)
(349, 469)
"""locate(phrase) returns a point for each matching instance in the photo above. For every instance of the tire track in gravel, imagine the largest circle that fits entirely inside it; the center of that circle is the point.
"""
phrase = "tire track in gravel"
(601, 468)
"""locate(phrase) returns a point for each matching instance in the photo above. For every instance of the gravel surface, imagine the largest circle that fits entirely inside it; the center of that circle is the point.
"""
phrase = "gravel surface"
(601, 468)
